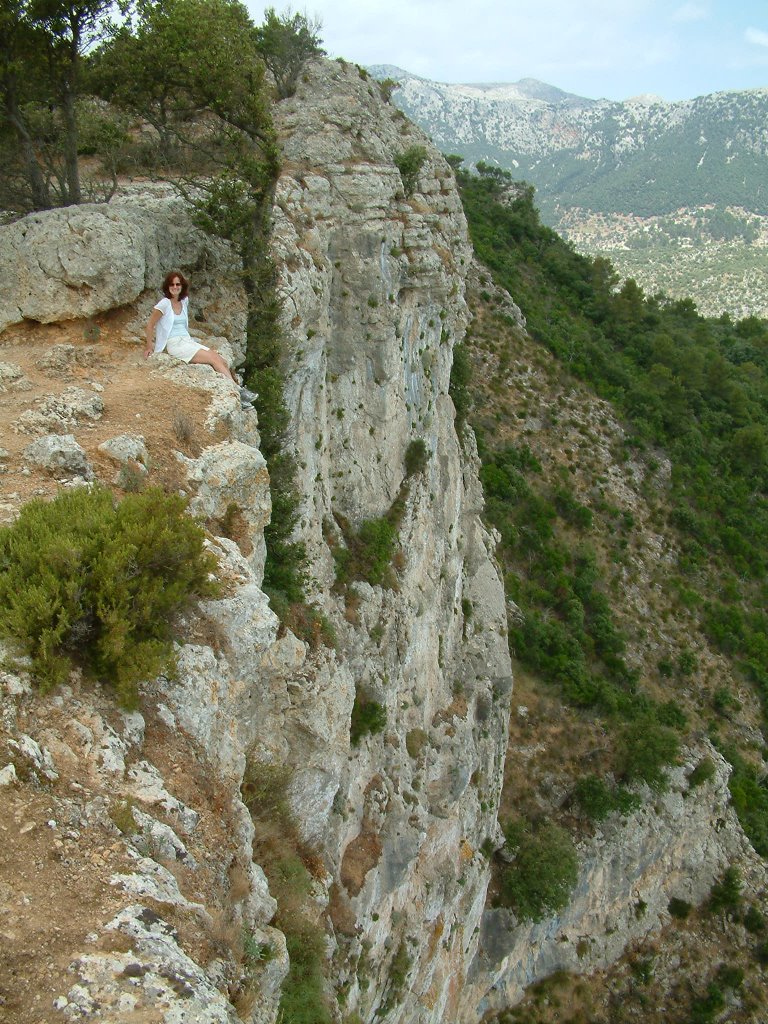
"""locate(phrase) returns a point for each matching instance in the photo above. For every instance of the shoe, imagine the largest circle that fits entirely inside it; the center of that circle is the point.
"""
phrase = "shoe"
(246, 396)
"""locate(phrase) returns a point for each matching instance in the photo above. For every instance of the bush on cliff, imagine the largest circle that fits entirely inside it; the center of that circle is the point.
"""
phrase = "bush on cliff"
(544, 872)
(86, 582)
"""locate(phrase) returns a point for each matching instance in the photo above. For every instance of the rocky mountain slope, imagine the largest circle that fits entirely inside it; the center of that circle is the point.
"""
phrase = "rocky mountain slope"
(642, 156)
(651, 184)
(132, 881)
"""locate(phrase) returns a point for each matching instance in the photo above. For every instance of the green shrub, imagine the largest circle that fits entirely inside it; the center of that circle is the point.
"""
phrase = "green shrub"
(368, 716)
(679, 908)
(642, 971)
(277, 847)
(726, 892)
(724, 702)
(122, 817)
(303, 999)
(572, 511)
(368, 555)
(409, 163)
(86, 582)
(644, 750)
(686, 663)
(416, 455)
(729, 976)
(387, 86)
(670, 713)
(597, 800)
(540, 879)
(707, 1008)
(398, 969)
(594, 797)
(754, 921)
(458, 388)
(703, 772)
(254, 952)
(750, 799)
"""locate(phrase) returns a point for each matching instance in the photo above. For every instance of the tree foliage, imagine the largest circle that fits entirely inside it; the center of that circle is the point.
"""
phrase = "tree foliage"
(409, 163)
(286, 42)
(43, 48)
(203, 104)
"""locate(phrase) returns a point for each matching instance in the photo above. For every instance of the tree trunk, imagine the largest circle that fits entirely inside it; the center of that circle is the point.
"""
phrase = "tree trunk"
(70, 147)
(41, 199)
(69, 92)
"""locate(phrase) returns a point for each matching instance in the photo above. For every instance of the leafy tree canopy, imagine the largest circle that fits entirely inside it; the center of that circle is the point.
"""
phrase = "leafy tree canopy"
(286, 41)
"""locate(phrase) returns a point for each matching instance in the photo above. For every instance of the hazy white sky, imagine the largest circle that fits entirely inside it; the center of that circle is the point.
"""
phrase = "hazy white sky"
(596, 48)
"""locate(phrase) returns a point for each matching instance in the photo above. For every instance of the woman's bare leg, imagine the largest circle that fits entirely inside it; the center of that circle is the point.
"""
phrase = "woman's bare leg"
(211, 357)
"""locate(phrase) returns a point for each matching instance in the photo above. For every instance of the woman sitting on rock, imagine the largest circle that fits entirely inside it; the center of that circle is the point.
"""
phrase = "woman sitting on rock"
(169, 324)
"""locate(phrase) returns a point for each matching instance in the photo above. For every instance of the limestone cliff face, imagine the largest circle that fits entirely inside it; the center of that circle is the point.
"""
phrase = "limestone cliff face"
(373, 283)
(674, 847)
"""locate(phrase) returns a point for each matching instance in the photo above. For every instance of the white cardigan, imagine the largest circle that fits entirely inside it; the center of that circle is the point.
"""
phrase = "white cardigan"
(165, 323)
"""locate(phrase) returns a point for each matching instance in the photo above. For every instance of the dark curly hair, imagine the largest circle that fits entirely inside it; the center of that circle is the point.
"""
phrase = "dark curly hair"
(170, 276)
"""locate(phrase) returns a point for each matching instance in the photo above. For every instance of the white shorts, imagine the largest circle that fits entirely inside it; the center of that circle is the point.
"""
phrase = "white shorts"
(183, 347)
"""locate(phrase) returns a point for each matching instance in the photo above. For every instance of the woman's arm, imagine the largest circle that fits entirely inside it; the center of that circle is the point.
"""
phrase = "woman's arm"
(153, 322)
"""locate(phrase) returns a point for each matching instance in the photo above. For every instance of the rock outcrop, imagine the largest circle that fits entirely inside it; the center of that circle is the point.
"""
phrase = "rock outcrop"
(676, 846)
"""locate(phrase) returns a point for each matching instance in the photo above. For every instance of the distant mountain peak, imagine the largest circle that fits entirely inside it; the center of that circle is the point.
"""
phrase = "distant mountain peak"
(525, 88)
(645, 99)
(642, 156)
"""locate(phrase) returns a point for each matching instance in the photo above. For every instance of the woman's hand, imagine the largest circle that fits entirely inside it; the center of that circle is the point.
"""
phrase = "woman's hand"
(153, 321)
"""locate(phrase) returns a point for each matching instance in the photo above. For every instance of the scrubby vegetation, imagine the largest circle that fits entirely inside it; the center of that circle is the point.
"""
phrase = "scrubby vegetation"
(461, 372)
(86, 582)
(568, 633)
(366, 553)
(368, 716)
(369, 552)
(597, 799)
(416, 455)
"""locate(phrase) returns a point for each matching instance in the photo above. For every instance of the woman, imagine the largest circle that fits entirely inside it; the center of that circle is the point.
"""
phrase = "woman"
(169, 324)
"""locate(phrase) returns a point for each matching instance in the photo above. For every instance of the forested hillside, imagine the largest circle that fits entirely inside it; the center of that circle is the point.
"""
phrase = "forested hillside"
(691, 389)
(623, 441)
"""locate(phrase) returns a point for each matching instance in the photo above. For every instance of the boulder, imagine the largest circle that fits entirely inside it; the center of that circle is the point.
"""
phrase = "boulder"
(127, 449)
(59, 453)
(81, 260)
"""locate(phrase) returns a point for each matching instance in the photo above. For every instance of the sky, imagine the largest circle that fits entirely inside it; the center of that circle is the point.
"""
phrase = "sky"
(611, 49)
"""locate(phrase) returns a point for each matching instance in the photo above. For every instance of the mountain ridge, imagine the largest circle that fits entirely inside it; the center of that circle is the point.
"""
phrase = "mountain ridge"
(691, 163)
